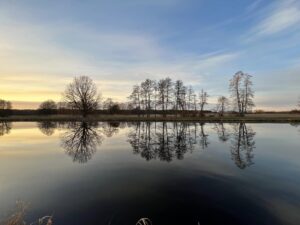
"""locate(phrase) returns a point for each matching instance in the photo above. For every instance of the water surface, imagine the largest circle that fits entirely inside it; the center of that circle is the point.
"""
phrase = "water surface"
(172, 173)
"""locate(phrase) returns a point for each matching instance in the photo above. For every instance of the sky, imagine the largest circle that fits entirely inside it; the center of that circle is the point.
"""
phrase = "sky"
(119, 43)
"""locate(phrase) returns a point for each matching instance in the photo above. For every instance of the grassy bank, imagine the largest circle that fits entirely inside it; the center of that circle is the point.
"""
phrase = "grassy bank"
(254, 118)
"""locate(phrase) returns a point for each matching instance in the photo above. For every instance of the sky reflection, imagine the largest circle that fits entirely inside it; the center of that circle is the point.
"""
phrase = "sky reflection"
(120, 183)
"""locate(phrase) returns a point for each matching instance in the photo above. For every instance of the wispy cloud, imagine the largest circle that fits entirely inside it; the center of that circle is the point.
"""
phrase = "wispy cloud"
(38, 60)
(279, 17)
(253, 6)
(44, 45)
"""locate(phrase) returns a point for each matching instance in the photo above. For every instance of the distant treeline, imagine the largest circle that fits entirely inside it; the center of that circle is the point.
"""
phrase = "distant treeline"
(162, 97)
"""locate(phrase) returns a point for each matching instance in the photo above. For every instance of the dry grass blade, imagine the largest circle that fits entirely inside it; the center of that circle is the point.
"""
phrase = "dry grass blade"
(46, 220)
(17, 217)
(144, 221)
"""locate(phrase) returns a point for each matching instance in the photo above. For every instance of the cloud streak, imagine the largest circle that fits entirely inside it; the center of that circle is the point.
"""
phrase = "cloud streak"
(43, 46)
(281, 16)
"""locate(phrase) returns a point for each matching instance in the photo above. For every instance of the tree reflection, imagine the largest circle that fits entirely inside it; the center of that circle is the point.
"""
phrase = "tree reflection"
(203, 137)
(295, 124)
(222, 132)
(162, 140)
(242, 145)
(5, 128)
(166, 141)
(47, 127)
(111, 128)
(81, 141)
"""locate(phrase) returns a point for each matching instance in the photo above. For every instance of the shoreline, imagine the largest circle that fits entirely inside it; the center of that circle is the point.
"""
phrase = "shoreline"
(251, 118)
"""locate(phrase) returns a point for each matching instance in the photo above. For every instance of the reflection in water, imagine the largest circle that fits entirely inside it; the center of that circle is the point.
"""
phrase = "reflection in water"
(222, 133)
(166, 141)
(110, 129)
(80, 141)
(119, 187)
(5, 128)
(242, 145)
(203, 137)
(47, 127)
(295, 125)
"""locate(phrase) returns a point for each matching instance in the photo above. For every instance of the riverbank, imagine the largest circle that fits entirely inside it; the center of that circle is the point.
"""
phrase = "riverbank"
(249, 118)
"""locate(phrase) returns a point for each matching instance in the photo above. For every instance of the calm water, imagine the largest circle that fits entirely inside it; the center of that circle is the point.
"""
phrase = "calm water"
(172, 173)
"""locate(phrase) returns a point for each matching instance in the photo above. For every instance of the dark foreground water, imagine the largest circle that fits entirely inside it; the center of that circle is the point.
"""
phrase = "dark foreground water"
(172, 173)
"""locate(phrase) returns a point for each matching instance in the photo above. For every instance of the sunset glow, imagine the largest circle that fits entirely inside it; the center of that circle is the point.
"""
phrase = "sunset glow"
(43, 45)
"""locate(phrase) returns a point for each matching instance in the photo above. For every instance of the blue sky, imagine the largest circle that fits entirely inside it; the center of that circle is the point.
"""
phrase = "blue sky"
(44, 44)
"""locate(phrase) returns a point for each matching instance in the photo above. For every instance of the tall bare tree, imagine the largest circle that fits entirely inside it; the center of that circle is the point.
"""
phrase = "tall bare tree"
(135, 97)
(222, 105)
(82, 95)
(235, 87)
(241, 92)
(203, 96)
(147, 91)
(164, 87)
(169, 91)
(248, 93)
(179, 95)
(162, 92)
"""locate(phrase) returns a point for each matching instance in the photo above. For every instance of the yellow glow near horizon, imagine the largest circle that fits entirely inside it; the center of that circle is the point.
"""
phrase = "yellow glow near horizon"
(28, 91)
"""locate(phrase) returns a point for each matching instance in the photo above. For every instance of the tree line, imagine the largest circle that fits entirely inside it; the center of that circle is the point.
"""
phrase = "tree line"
(169, 96)
(163, 97)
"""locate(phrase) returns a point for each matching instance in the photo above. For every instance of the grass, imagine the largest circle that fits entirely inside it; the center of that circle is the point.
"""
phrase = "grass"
(254, 118)
(17, 216)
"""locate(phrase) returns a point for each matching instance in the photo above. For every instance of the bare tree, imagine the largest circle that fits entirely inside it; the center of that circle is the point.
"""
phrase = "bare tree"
(162, 92)
(48, 107)
(135, 97)
(222, 105)
(82, 95)
(147, 91)
(202, 100)
(155, 94)
(179, 95)
(5, 108)
(108, 103)
(241, 91)
(248, 94)
(235, 89)
(169, 91)
(164, 88)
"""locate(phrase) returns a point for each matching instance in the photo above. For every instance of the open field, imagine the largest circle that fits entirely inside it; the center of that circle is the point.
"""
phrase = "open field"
(254, 118)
